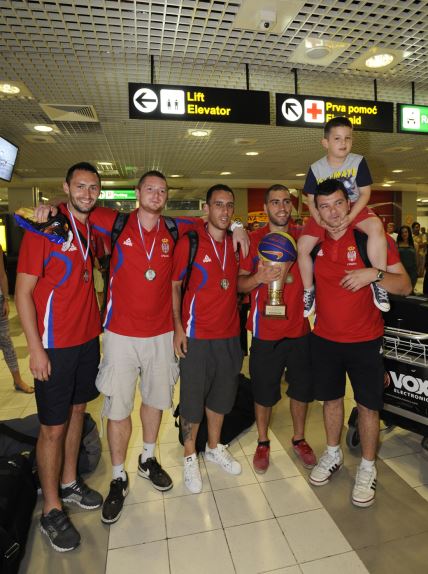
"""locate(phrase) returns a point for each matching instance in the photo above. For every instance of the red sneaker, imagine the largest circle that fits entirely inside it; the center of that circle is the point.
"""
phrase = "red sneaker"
(261, 459)
(305, 453)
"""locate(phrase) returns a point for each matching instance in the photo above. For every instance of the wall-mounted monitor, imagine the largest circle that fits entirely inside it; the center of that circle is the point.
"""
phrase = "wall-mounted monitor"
(8, 153)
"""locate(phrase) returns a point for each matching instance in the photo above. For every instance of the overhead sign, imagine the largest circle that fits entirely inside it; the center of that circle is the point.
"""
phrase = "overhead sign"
(412, 119)
(314, 111)
(116, 194)
(190, 103)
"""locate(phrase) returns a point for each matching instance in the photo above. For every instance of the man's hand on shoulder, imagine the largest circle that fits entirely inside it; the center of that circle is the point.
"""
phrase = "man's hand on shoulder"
(241, 238)
(43, 212)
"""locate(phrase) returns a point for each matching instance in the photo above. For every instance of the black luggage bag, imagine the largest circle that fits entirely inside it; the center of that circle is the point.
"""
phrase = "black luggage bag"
(18, 495)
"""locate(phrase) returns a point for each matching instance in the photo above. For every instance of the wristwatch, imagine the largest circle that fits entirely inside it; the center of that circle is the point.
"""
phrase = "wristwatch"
(380, 275)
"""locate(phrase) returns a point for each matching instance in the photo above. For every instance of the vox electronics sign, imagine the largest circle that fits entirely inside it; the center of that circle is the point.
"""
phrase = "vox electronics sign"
(412, 119)
(160, 102)
(314, 111)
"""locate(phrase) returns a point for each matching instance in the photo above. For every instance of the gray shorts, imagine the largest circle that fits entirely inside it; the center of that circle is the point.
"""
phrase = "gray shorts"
(209, 377)
(127, 358)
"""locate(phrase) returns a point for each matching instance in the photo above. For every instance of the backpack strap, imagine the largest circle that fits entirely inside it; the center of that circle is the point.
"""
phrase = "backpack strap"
(361, 241)
(16, 435)
(118, 226)
(171, 225)
(193, 248)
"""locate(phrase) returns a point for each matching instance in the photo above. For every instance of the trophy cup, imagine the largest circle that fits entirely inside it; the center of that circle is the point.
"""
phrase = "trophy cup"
(277, 249)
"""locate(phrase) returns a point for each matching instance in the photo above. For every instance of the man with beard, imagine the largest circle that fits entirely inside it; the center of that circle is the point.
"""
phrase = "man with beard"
(58, 310)
(278, 342)
(206, 335)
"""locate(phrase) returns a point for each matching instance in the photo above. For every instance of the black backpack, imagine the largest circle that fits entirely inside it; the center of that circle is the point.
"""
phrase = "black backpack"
(240, 418)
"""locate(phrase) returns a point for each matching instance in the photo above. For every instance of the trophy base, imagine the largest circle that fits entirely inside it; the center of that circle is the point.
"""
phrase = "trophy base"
(275, 311)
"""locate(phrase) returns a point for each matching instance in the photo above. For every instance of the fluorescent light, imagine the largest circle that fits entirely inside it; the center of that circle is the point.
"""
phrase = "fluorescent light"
(225, 173)
(252, 153)
(199, 133)
(175, 175)
(300, 174)
(397, 171)
(386, 185)
(379, 60)
(42, 128)
(9, 89)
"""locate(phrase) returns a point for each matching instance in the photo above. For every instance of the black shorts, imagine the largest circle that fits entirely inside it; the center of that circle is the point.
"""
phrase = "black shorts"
(209, 376)
(268, 359)
(72, 381)
(363, 362)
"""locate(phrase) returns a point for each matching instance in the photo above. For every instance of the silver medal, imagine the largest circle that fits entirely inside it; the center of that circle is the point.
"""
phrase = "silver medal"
(150, 274)
(224, 283)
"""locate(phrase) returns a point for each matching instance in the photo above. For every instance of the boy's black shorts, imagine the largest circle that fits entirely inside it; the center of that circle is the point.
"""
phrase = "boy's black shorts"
(268, 359)
(72, 381)
(363, 362)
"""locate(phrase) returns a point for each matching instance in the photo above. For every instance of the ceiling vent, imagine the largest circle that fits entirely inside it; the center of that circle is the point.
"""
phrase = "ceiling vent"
(70, 113)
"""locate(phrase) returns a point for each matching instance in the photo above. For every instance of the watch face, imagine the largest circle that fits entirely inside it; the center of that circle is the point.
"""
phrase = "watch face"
(380, 276)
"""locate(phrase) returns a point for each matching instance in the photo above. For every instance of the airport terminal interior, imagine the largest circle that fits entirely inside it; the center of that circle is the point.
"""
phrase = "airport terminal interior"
(233, 92)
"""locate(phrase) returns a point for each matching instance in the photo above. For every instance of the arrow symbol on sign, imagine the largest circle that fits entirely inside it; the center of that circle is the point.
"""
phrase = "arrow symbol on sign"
(144, 100)
(291, 107)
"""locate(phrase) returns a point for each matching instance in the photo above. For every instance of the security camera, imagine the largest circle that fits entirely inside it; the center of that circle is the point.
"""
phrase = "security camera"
(267, 20)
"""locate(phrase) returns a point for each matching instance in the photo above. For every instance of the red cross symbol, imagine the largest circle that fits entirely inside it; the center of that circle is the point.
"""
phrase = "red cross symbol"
(314, 111)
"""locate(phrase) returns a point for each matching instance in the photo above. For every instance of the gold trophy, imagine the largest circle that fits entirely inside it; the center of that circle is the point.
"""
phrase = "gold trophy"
(277, 249)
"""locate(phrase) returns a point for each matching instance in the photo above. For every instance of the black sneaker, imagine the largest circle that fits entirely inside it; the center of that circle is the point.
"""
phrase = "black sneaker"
(81, 494)
(113, 504)
(308, 302)
(380, 297)
(153, 471)
(60, 531)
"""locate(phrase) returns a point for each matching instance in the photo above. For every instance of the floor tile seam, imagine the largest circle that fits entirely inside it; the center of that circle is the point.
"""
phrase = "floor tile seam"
(393, 539)
(329, 556)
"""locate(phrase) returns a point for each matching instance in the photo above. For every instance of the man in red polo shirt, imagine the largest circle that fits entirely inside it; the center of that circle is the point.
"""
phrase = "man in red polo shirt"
(347, 340)
(58, 310)
(138, 333)
(206, 335)
(277, 342)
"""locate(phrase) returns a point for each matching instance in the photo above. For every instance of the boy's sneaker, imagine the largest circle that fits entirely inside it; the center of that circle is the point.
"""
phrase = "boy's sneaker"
(326, 467)
(221, 456)
(380, 297)
(113, 504)
(305, 453)
(308, 302)
(82, 495)
(60, 531)
(153, 471)
(364, 491)
(261, 458)
(192, 474)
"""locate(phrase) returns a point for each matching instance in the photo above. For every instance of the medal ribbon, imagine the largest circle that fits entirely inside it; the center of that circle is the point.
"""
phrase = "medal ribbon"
(76, 234)
(149, 255)
(222, 265)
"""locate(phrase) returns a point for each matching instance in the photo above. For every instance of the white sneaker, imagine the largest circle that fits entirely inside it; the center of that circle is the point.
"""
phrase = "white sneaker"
(192, 474)
(364, 491)
(220, 455)
(326, 467)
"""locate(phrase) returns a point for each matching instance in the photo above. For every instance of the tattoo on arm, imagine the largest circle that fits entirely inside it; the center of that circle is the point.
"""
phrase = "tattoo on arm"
(186, 429)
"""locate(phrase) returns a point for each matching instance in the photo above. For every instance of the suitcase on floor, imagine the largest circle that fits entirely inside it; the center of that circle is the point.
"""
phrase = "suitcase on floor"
(18, 495)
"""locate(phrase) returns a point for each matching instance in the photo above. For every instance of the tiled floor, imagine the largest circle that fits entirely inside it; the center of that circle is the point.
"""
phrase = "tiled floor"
(251, 523)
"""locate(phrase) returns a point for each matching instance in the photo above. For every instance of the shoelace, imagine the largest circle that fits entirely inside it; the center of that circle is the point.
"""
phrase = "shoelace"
(192, 469)
(304, 447)
(327, 460)
(59, 520)
(365, 476)
(154, 466)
